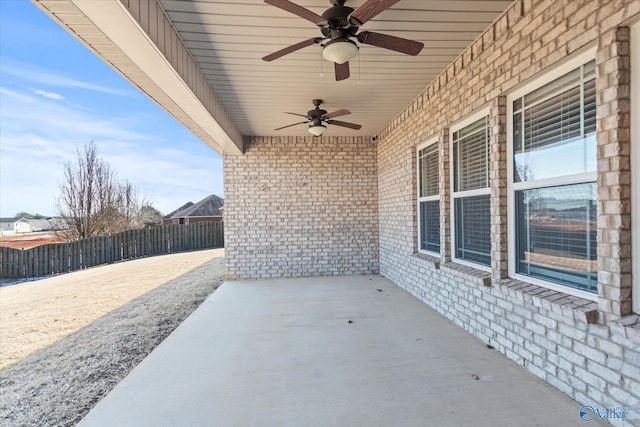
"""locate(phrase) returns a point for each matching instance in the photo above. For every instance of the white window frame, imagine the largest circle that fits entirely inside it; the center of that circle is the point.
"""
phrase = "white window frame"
(484, 112)
(420, 147)
(549, 76)
(635, 164)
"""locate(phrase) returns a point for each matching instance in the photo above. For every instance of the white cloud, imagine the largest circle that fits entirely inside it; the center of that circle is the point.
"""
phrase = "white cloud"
(33, 74)
(50, 95)
(63, 121)
(4, 92)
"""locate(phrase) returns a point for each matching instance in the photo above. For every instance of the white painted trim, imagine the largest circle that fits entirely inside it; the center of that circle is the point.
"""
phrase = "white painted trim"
(554, 287)
(471, 193)
(551, 74)
(419, 147)
(579, 178)
(426, 143)
(141, 50)
(546, 77)
(465, 121)
(635, 164)
(468, 263)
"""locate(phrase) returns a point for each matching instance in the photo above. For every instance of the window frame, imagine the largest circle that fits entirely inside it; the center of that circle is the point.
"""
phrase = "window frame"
(635, 164)
(428, 143)
(460, 124)
(536, 83)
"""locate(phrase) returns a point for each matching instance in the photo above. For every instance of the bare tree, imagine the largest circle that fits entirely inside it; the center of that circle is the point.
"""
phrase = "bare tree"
(149, 215)
(92, 201)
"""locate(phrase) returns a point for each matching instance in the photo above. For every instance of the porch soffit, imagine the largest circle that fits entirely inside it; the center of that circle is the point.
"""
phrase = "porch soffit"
(201, 60)
(160, 71)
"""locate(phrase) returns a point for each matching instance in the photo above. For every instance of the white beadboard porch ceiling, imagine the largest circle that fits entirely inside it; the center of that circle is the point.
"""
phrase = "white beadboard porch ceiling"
(228, 38)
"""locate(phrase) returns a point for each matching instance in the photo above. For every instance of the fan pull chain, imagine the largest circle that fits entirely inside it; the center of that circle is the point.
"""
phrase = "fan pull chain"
(321, 70)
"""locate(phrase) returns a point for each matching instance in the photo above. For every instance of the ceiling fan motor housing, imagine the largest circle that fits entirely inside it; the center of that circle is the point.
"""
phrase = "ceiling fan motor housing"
(316, 114)
(337, 17)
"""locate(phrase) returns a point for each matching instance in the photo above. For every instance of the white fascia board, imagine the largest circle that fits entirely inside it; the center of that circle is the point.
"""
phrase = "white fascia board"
(113, 19)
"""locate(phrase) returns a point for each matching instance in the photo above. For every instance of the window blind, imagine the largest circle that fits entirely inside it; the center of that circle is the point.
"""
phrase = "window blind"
(430, 226)
(556, 239)
(473, 229)
(471, 161)
(429, 174)
(561, 110)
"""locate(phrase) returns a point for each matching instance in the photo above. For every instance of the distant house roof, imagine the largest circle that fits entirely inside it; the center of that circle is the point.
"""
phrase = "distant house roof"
(42, 224)
(8, 220)
(181, 208)
(209, 206)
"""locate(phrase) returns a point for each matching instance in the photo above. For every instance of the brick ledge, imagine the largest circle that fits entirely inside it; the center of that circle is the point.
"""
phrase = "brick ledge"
(572, 307)
(467, 273)
(627, 327)
(434, 261)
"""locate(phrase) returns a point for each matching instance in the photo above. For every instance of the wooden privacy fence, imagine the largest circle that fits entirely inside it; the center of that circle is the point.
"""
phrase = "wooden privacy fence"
(58, 258)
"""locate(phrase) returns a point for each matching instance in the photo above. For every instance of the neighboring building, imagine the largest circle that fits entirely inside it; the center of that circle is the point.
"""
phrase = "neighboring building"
(24, 225)
(181, 208)
(7, 226)
(207, 209)
(40, 225)
(502, 196)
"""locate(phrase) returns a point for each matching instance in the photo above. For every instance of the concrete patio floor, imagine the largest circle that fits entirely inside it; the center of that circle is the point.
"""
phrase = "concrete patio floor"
(327, 351)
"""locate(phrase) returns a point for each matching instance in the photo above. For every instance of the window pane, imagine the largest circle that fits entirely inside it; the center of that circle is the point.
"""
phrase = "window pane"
(473, 229)
(428, 169)
(471, 156)
(517, 104)
(556, 235)
(430, 226)
(557, 137)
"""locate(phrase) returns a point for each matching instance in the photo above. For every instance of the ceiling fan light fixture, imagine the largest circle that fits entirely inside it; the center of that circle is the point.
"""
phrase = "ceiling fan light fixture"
(340, 50)
(317, 130)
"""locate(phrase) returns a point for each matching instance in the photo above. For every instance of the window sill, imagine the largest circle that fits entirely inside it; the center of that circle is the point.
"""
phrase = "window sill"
(467, 273)
(572, 307)
(433, 260)
(627, 327)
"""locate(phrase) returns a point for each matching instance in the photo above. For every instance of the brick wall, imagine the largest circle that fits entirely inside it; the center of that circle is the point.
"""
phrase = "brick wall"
(589, 350)
(301, 206)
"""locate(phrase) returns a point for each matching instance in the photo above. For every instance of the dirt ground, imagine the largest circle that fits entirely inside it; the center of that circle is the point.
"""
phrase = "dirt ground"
(29, 240)
(82, 332)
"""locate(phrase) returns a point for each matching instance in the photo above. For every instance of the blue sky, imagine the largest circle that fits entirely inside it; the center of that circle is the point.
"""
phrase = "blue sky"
(55, 95)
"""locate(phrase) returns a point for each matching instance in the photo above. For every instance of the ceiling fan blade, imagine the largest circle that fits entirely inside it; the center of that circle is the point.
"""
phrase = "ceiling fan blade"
(298, 10)
(337, 113)
(344, 124)
(370, 9)
(290, 49)
(410, 47)
(295, 124)
(296, 114)
(342, 71)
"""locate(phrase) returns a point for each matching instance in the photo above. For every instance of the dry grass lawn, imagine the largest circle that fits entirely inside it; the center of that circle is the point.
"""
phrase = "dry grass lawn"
(34, 315)
(83, 332)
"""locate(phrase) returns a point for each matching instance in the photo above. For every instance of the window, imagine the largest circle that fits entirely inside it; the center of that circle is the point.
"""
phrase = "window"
(471, 193)
(428, 198)
(553, 185)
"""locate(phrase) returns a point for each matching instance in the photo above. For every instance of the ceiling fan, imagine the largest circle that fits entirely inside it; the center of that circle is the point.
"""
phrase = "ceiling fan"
(339, 24)
(318, 117)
